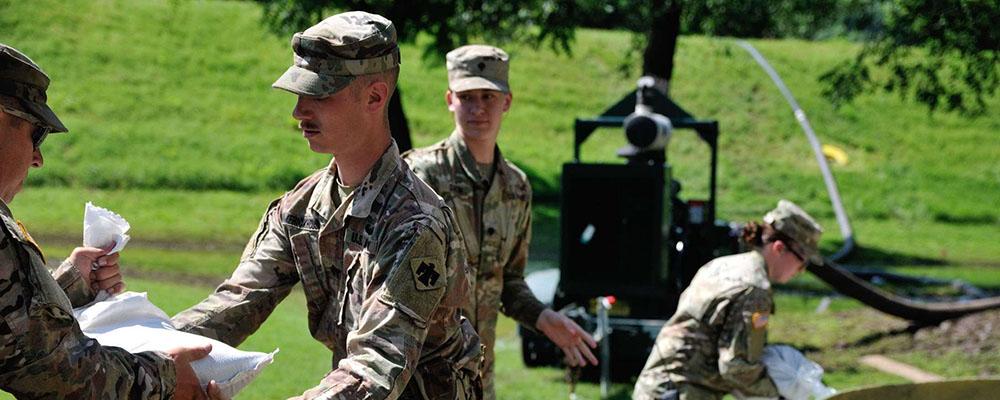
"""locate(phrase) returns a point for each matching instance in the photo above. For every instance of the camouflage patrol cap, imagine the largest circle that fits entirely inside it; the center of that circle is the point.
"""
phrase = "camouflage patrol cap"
(478, 66)
(22, 90)
(330, 54)
(790, 220)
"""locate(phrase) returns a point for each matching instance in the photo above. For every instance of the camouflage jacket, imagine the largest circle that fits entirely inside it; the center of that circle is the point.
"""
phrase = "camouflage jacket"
(44, 354)
(716, 337)
(496, 233)
(384, 278)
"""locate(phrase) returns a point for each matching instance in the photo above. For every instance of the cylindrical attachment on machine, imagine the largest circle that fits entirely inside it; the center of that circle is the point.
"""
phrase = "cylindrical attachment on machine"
(647, 130)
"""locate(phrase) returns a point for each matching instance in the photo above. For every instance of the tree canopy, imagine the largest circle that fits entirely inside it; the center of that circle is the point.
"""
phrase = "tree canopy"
(942, 53)
(450, 23)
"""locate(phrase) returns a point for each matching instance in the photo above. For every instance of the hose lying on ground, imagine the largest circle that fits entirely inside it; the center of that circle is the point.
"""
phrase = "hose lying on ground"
(844, 281)
(850, 285)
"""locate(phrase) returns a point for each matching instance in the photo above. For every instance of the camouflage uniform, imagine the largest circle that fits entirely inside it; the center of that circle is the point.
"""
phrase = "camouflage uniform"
(44, 354)
(713, 343)
(493, 212)
(494, 216)
(383, 277)
(381, 266)
(712, 346)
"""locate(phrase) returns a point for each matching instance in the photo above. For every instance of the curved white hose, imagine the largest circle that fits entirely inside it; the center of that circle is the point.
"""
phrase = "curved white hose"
(831, 183)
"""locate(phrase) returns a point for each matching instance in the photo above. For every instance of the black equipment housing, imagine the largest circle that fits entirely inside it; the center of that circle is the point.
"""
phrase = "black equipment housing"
(625, 232)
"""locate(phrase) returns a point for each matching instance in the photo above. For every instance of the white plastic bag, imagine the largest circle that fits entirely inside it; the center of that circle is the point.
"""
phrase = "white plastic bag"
(130, 321)
(103, 228)
(796, 377)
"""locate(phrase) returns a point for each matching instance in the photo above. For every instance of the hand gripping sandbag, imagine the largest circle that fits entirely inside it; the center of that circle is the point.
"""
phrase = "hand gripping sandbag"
(130, 321)
(796, 377)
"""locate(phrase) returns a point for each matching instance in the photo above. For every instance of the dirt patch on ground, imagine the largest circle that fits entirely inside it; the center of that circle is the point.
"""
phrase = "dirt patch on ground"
(977, 333)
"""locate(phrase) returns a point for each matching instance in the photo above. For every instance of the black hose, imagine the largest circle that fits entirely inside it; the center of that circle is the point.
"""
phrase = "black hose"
(850, 285)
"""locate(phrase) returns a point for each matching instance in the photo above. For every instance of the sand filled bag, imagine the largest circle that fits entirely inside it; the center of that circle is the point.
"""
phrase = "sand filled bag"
(130, 321)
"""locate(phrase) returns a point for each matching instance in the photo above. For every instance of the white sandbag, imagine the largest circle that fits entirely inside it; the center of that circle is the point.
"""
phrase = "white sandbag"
(130, 321)
(796, 377)
(103, 228)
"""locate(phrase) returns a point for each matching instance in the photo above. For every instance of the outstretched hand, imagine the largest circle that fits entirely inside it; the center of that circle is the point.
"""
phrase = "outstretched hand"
(570, 337)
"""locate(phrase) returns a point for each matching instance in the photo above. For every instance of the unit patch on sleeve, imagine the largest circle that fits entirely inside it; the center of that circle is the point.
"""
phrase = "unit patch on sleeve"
(427, 273)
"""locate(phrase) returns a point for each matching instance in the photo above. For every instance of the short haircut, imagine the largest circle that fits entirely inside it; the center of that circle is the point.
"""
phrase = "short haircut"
(362, 81)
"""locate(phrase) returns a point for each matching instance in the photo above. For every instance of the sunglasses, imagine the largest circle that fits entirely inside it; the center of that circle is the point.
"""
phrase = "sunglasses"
(802, 260)
(39, 135)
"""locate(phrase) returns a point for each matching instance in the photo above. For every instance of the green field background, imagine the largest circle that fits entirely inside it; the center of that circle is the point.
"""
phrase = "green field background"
(174, 125)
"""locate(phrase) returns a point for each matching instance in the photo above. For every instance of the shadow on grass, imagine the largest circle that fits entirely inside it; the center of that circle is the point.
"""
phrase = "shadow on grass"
(875, 337)
(977, 219)
(873, 256)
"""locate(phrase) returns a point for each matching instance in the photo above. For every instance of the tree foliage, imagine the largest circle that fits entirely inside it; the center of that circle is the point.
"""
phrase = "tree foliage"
(450, 23)
(942, 53)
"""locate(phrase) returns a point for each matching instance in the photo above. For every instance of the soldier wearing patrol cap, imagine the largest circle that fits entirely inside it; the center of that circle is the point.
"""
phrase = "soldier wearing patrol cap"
(43, 354)
(713, 343)
(492, 201)
(376, 252)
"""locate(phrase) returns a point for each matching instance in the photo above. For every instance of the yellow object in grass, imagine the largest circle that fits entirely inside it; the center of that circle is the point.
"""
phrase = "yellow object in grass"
(835, 154)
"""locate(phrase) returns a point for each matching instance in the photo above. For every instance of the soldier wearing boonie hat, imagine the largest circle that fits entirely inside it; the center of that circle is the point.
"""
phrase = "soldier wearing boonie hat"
(491, 198)
(380, 262)
(729, 302)
(43, 354)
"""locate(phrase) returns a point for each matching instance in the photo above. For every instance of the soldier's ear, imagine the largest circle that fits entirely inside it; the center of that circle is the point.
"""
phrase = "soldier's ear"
(378, 95)
(507, 99)
(779, 247)
(449, 99)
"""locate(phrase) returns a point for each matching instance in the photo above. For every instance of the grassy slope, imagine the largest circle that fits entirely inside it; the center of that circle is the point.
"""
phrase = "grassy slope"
(175, 127)
(176, 95)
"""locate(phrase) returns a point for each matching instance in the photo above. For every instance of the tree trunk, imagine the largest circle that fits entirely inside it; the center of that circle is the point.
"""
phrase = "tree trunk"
(398, 125)
(397, 122)
(658, 59)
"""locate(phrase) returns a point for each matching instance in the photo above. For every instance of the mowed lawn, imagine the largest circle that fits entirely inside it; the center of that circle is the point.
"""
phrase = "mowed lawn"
(302, 361)
(175, 126)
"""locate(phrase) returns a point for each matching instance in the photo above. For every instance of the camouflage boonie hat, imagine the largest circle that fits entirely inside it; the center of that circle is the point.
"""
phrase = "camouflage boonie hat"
(22, 90)
(790, 220)
(478, 66)
(330, 54)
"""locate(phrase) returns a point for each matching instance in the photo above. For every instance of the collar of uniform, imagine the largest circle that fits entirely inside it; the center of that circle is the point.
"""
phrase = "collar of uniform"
(5, 210)
(761, 265)
(469, 162)
(361, 198)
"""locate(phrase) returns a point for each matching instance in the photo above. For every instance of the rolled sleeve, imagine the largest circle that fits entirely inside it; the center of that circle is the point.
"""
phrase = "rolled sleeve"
(264, 277)
(73, 284)
(44, 354)
(742, 342)
(516, 298)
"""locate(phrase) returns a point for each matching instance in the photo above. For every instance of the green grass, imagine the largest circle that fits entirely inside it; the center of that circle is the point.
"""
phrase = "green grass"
(160, 95)
(302, 361)
(175, 126)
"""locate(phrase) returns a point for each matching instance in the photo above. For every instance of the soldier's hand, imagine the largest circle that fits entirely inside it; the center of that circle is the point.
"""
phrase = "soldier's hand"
(98, 268)
(215, 393)
(570, 337)
(188, 386)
